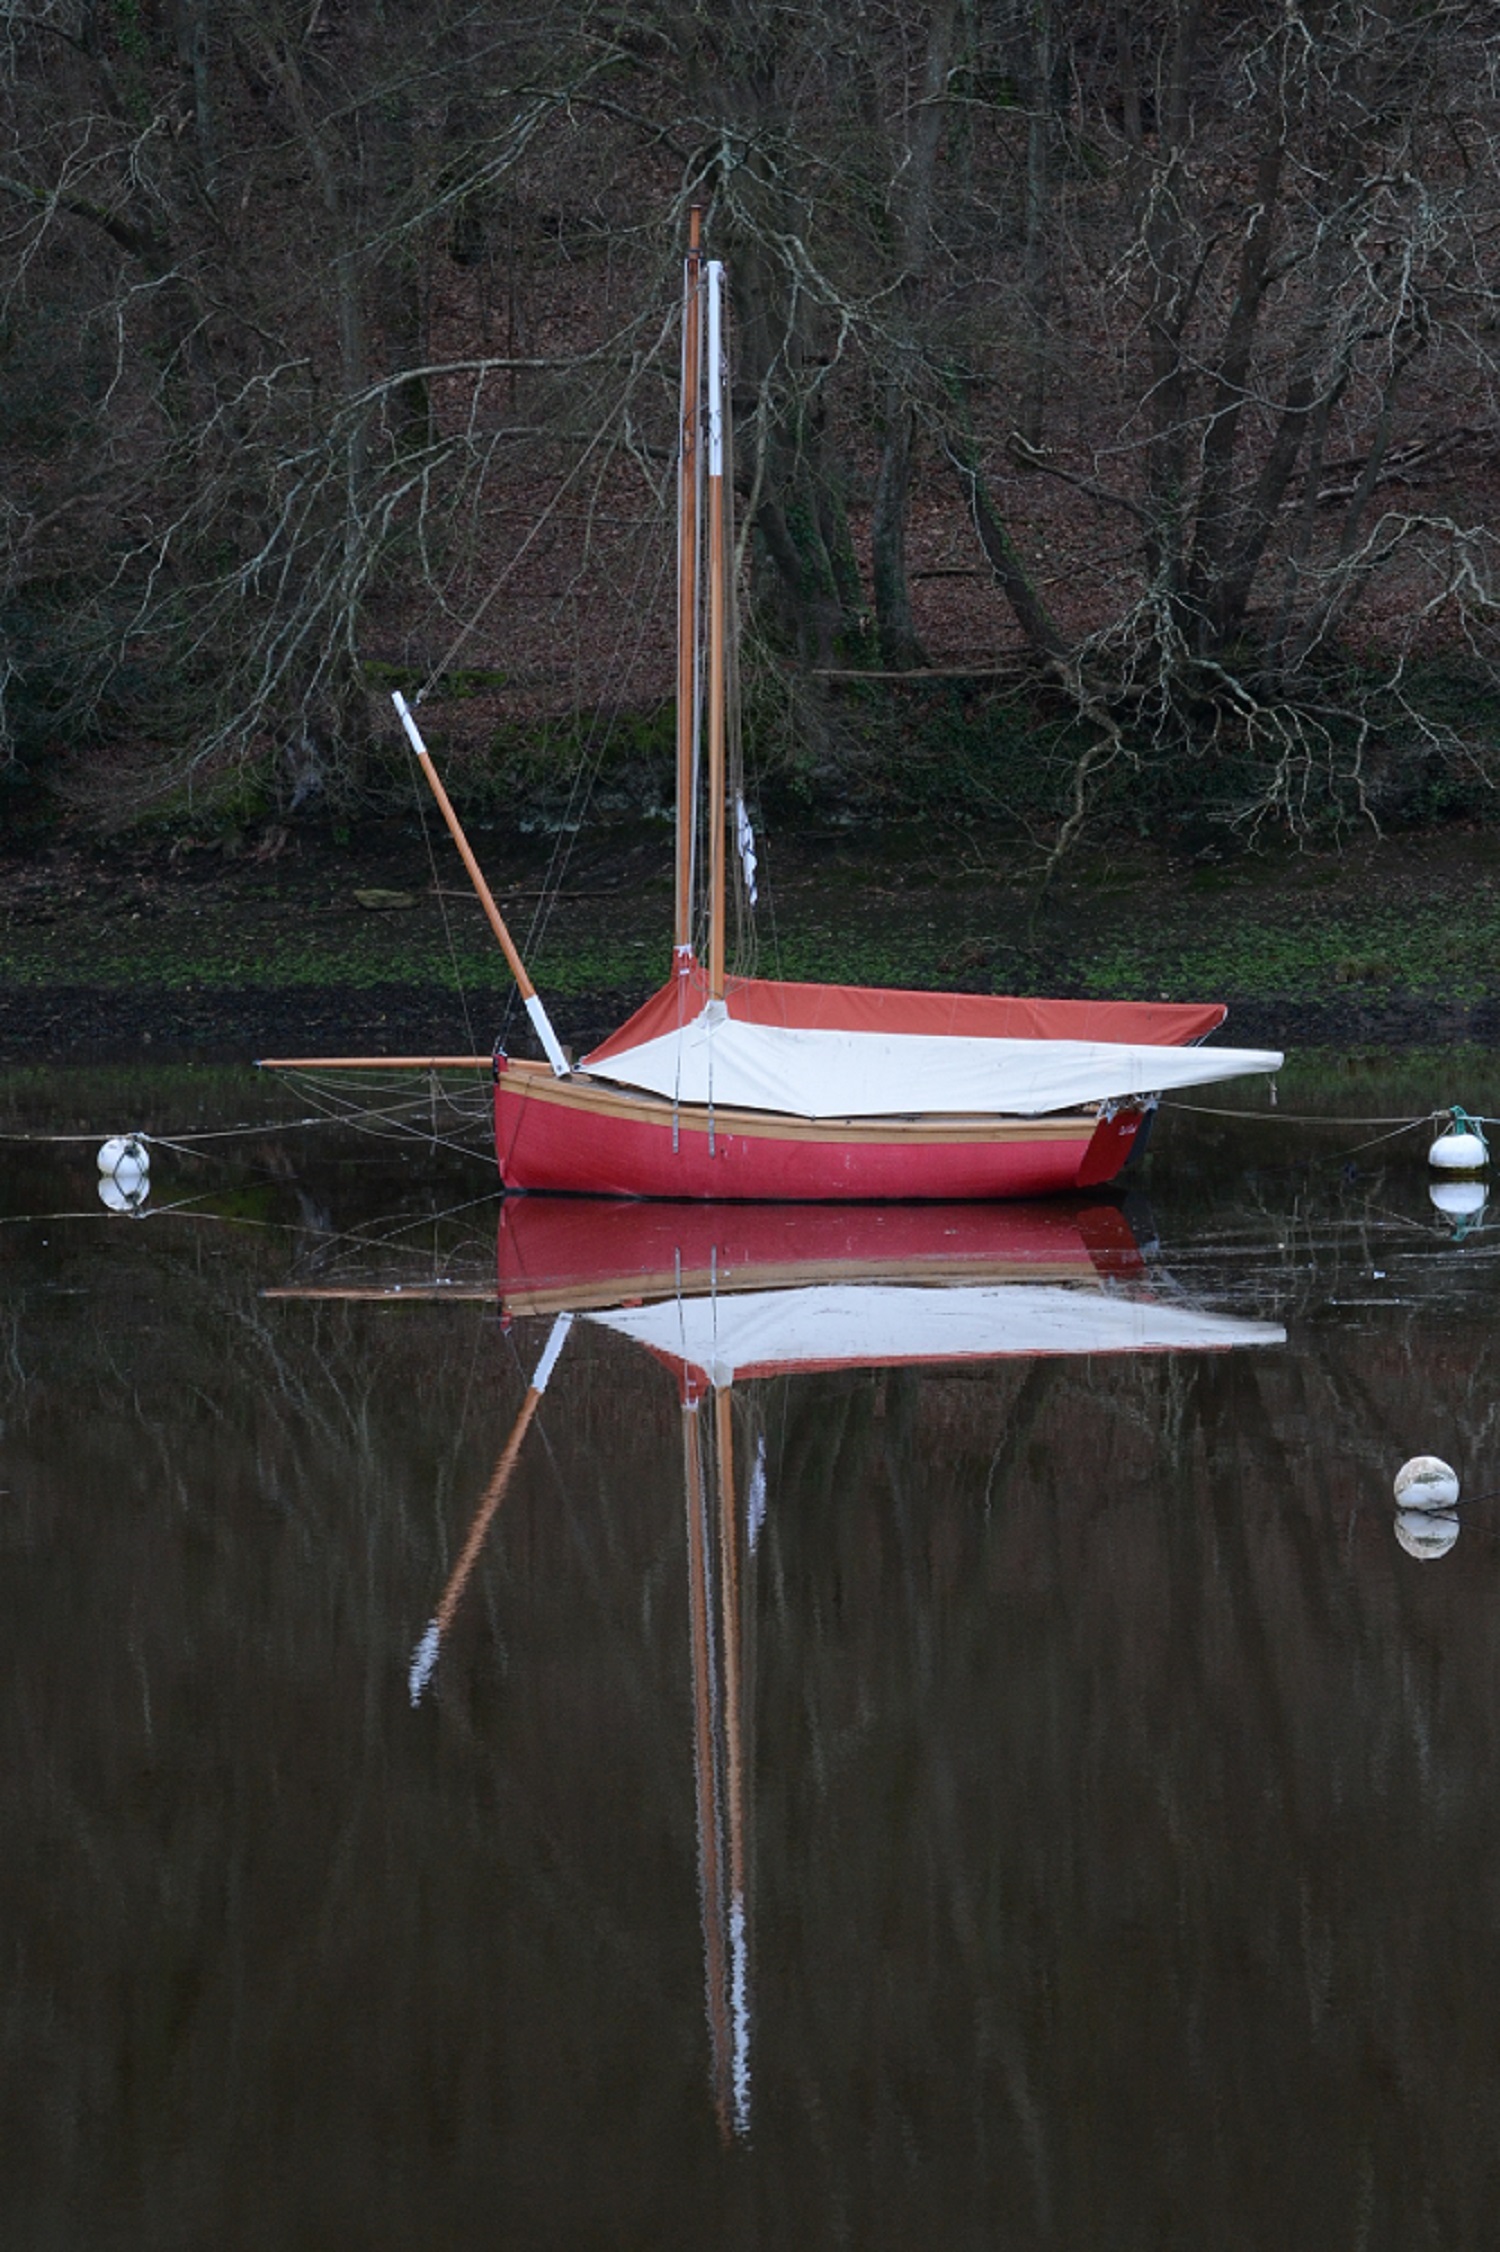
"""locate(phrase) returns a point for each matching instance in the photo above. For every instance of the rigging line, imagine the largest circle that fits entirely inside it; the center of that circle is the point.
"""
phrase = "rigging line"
(364, 1122)
(421, 794)
(419, 1132)
(399, 1092)
(183, 1209)
(602, 725)
(315, 1081)
(1329, 1157)
(587, 771)
(315, 1077)
(368, 1245)
(397, 1105)
(446, 660)
(175, 1141)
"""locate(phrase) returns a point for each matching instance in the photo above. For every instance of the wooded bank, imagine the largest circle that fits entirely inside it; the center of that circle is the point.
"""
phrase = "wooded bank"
(1114, 383)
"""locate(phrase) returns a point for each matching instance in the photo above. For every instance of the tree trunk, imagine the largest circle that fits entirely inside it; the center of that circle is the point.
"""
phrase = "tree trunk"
(1172, 287)
(894, 626)
(1037, 226)
(1031, 613)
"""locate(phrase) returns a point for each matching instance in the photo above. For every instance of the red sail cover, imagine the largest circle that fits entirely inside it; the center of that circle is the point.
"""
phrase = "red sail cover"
(878, 1008)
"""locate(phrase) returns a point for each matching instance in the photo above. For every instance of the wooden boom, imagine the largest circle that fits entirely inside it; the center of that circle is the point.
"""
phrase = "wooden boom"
(374, 1063)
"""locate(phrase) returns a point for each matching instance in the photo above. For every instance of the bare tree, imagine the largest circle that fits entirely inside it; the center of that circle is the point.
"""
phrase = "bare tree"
(1190, 305)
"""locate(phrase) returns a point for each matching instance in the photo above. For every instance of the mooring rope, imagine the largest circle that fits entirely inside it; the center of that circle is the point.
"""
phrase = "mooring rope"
(1314, 1118)
(402, 1115)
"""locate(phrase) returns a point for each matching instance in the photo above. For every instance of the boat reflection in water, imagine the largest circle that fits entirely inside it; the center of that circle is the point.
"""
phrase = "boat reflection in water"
(735, 1293)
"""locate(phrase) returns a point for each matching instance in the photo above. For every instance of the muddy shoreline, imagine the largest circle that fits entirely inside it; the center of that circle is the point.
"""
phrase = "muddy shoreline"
(366, 945)
(107, 1025)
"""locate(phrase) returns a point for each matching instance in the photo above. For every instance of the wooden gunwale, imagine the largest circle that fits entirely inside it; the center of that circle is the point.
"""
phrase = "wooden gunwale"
(533, 1082)
(585, 1297)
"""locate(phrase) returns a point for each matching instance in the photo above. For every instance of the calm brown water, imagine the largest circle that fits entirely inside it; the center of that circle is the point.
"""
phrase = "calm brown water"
(1083, 1829)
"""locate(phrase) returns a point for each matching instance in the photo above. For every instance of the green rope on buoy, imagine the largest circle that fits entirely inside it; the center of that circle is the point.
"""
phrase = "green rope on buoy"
(1464, 1124)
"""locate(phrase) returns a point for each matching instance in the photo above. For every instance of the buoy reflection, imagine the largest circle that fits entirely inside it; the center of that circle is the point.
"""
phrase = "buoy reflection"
(125, 1191)
(1426, 1533)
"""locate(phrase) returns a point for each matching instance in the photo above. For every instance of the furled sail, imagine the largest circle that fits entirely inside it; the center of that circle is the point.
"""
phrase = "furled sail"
(814, 1051)
(767, 1332)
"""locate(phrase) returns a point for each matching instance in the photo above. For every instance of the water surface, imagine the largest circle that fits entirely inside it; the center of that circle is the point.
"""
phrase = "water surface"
(1078, 1826)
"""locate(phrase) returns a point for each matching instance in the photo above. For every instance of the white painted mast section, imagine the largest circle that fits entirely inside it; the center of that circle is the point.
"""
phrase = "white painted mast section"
(541, 1022)
(716, 685)
(715, 367)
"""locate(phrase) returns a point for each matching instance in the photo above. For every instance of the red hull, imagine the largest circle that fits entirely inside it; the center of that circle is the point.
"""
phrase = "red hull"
(581, 1138)
(577, 1251)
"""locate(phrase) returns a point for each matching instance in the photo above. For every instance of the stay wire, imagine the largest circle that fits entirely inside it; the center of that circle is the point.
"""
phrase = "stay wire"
(436, 672)
(463, 999)
(601, 729)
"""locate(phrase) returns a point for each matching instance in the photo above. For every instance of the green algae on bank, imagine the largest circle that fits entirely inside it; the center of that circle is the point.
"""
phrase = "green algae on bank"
(1412, 924)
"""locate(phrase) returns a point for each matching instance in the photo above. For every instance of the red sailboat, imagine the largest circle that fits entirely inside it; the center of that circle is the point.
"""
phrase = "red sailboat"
(730, 1087)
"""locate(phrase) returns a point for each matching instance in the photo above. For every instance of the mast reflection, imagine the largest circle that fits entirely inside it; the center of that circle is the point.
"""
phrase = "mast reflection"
(737, 1293)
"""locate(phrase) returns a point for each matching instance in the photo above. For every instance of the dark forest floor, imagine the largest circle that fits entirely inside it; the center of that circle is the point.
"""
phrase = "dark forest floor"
(109, 949)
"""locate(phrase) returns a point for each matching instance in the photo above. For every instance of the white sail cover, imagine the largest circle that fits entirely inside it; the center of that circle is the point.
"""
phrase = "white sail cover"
(834, 1073)
(854, 1325)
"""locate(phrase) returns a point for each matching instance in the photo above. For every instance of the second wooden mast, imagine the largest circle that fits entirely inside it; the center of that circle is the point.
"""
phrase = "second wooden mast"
(688, 481)
(701, 471)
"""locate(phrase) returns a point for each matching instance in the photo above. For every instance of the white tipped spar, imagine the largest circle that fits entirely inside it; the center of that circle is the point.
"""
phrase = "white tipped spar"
(425, 1656)
(541, 1022)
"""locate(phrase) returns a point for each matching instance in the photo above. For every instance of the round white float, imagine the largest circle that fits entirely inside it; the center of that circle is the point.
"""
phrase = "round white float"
(1426, 1482)
(124, 1151)
(1426, 1533)
(1458, 1153)
(125, 1191)
(1459, 1199)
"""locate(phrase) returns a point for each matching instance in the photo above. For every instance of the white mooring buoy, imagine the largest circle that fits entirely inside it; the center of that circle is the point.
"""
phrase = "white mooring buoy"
(1426, 1483)
(1461, 1147)
(124, 1153)
(1426, 1533)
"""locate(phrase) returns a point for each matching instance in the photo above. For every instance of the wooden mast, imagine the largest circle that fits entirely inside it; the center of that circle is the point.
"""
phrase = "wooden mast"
(731, 1620)
(716, 787)
(687, 591)
(706, 1767)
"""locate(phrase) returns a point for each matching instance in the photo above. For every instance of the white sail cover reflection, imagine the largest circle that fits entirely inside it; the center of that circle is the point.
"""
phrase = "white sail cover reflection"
(855, 1325)
(834, 1073)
